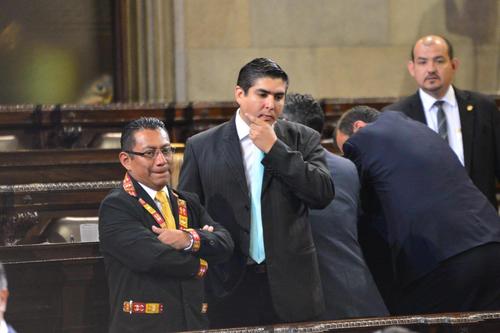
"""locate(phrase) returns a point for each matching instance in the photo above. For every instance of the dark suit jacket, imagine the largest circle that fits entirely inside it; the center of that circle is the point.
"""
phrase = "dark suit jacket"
(295, 179)
(432, 211)
(480, 135)
(348, 286)
(142, 269)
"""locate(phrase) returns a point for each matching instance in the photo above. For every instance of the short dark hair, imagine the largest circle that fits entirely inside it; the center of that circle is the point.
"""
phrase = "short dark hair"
(127, 139)
(3, 278)
(448, 44)
(258, 68)
(360, 112)
(304, 109)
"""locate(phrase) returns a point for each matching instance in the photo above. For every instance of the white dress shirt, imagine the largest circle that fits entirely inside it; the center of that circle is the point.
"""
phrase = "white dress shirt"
(152, 194)
(3, 327)
(249, 149)
(450, 108)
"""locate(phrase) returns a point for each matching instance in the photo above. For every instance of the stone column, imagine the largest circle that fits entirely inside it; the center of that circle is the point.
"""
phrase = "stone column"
(145, 33)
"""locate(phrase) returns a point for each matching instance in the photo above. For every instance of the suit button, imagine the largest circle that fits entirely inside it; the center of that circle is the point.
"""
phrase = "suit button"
(211, 242)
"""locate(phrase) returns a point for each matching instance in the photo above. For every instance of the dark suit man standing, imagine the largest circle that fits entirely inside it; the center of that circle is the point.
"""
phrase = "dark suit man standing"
(258, 176)
(156, 242)
(471, 121)
(348, 285)
(443, 234)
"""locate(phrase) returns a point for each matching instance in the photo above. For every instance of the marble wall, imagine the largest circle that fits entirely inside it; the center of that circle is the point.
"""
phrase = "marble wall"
(336, 48)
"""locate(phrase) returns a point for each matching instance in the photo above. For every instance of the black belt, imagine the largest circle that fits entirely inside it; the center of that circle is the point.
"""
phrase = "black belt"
(257, 268)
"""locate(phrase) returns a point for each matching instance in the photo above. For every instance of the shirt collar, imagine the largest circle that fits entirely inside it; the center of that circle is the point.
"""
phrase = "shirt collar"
(241, 126)
(428, 101)
(151, 192)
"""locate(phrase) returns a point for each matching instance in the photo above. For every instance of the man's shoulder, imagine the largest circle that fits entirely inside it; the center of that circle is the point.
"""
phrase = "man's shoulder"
(116, 192)
(116, 197)
(340, 166)
(474, 96)
(338, 161)
(290, 128)
(210, 134)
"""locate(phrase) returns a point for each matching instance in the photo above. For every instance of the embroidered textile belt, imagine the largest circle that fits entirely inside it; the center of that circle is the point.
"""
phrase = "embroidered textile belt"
(138, 307)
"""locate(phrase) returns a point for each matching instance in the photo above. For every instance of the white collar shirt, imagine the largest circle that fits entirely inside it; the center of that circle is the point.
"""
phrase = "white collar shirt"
(450, 108)
(3, 327)
(251, 154)
(152, 194)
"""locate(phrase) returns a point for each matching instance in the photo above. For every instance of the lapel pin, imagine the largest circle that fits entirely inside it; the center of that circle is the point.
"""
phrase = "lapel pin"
(470, 107)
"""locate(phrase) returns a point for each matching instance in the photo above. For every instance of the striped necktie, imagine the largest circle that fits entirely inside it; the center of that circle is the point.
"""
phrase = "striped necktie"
(166, 211)
(441, 121)
(257, 252)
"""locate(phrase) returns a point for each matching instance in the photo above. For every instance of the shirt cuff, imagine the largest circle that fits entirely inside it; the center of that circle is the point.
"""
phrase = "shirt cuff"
(194, 245)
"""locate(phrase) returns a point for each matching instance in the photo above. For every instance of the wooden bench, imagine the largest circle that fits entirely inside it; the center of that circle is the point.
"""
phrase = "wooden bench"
(80, 126)
(40, 185)
(56, 288)
(67, 165)
(27, 210)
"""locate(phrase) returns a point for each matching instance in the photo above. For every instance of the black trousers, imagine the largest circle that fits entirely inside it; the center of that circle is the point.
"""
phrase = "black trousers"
(250, 304)
(469, 281)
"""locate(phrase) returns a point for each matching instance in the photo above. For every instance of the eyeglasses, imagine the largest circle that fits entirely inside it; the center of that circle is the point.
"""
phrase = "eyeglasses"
(153, 153)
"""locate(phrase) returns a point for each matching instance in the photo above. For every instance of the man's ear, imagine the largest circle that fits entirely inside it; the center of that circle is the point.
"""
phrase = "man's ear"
(238, 93)
(357, 125)
(4, 295)
(454, 63)
(411, 68)
(125, 160)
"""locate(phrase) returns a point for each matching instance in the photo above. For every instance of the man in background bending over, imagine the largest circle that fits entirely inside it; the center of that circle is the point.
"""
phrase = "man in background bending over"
(443, 234)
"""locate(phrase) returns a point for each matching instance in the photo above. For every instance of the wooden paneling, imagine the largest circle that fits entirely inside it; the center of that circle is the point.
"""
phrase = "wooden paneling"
(56, 288)
(79, 126)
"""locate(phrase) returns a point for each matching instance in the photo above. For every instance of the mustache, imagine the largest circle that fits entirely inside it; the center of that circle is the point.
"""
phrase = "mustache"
(432, 76)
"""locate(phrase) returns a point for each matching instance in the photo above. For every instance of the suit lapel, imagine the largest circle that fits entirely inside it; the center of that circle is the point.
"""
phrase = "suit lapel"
(143, 195)
(267, 176)
(174, 206)
(466, 123)
(231, 151)
(417, 109)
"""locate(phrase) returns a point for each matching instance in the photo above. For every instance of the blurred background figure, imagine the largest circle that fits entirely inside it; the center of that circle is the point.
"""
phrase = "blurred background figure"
(4, 295)
(348, 285)
(99, 92)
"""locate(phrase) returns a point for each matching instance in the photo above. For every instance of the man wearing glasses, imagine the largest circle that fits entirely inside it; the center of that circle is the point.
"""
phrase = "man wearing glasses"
(156, 242)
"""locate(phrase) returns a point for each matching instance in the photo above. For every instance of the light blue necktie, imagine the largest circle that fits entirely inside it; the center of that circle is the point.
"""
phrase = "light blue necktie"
(257, 252)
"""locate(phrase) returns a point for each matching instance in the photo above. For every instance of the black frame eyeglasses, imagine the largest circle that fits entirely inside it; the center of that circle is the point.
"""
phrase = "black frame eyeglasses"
(153, 153)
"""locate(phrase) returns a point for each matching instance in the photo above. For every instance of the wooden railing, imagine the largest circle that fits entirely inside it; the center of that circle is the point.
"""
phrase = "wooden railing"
(62, 288)
(39, 185)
